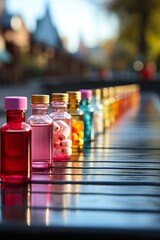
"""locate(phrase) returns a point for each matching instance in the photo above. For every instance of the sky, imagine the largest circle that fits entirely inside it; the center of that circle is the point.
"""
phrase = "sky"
(72, 18)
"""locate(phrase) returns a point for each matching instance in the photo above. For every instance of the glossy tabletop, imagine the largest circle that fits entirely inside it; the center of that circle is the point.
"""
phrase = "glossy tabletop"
(111, 189)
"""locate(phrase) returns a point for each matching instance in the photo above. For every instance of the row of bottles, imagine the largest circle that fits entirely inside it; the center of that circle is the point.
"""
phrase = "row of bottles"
(77, 117)
(116, 101)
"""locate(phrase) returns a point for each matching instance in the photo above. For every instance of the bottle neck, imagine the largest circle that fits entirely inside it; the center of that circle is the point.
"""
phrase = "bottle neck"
(85, 101)
(59, 106)
(96, 100)
(74, 105)
(40, 109)
(15, 116)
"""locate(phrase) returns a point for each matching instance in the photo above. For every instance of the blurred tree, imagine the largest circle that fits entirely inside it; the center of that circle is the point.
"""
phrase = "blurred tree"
(138, 23)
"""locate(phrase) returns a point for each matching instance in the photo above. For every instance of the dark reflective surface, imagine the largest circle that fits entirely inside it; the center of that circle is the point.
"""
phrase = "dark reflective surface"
(113, 184)
(15, 202)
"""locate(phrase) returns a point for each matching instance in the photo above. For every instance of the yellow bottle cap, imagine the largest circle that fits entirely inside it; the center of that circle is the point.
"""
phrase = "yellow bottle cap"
(74, 96)
(96, 92)
(39, 98)
(60, 97)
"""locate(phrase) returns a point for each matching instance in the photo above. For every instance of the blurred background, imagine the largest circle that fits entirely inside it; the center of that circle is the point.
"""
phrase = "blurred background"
(79, 38)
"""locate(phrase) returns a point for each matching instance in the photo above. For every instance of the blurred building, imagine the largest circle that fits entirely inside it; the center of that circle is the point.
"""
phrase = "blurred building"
(25, 55)
(47, 42)
(46, 33)
(14, 39)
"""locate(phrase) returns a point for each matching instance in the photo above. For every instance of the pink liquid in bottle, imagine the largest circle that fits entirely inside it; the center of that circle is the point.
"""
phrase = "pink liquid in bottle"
(41, 151)
(42, 132)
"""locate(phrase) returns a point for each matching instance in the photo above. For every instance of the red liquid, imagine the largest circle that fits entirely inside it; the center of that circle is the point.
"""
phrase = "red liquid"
(15, 155)
(13, 199)
(42, 145)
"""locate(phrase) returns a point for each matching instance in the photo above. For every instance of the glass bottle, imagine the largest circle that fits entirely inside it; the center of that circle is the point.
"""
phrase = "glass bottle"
(42, 131)
(106, 104)
(62, 127)
(77, 120)
(86, 107)
(98, 111)
(111, 93)
(15, 142)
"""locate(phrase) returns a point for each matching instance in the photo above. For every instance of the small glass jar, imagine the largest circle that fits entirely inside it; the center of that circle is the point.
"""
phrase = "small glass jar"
(15, 142)
(62, 127)
(77, 120)
(42, 131)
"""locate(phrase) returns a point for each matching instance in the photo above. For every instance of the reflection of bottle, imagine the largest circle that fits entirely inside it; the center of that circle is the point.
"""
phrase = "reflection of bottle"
(62, 127)
(15, 142)
(62, 171)
(42, 132)
(77, 120)
(15, 200)
(41, 196)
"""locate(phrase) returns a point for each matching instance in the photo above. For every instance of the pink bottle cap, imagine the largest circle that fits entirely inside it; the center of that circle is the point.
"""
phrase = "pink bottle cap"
(15, 103)
(86, 93)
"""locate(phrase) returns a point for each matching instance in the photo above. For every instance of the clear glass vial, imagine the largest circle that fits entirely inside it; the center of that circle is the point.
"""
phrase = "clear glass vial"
(15, 142)
(77, 120)
(106, 103)
(98, 111)
(62, 127)
(42, 131)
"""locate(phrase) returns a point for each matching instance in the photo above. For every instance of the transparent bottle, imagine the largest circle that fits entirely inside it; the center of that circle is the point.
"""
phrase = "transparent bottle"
(15, 142)
(86, 107)
(62, 127)
(106, 104)
(98, 111)
(77, 120)
(42, 131)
